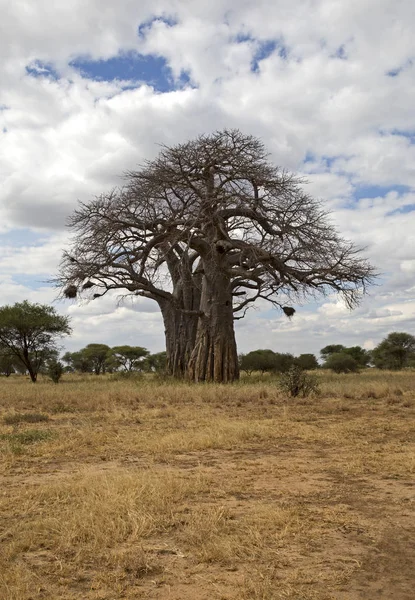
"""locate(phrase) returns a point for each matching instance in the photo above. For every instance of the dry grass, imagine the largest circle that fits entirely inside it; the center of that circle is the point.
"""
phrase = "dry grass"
(138, 489)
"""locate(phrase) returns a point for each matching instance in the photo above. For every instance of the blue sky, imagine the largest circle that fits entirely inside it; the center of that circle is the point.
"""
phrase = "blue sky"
(134, 68)
(90, 90)
(21, 237)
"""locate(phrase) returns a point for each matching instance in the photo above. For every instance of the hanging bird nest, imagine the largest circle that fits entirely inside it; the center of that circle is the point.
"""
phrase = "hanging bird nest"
(288, 311)
(71, 291)
(87, 285)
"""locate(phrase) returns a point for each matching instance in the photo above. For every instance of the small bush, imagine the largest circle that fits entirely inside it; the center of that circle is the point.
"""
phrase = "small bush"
(55, 370)
(296, 382)
(24, 418)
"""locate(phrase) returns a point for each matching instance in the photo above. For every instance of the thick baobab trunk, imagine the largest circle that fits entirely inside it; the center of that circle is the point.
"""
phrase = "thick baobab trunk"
(214, 357)
(180, 331)
(180, 318)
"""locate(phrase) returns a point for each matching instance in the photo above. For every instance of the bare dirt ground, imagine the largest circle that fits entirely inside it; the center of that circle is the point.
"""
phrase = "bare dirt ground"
(208, 492)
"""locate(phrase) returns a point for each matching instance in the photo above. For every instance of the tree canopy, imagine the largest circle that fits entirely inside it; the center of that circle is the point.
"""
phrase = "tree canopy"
(275, 362)
(30, 331)
(259, 360)
(396, 351)
(341, 362)
(206, 229)
(359, 354)
(331, 349)
(131, 358)
(96, 356)
(100, 359)
(307, 362)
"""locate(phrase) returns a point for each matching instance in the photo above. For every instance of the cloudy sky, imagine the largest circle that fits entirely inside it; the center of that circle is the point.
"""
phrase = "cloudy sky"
(89, 90)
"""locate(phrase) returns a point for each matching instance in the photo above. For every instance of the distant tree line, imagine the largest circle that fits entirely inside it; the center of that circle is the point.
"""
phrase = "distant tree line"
(101, 359)
(268, 361)
(29, 333)
(395, 352)
(28, 344)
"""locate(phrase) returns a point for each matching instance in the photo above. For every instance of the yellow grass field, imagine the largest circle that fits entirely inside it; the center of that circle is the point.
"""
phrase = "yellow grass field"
(125, 489)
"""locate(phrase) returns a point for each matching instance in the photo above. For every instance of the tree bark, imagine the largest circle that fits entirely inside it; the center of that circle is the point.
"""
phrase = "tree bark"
(214, 357)
(180, 318)
(180, 332)
(27, 362)
(33, 375)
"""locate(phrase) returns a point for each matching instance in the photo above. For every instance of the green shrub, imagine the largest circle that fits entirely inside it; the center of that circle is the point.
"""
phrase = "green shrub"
(296, 382)
(55, 370)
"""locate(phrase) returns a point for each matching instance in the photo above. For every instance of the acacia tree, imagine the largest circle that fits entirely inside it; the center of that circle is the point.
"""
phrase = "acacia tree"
(327, 351)
(129, 357)
(205, 230)
(341, 362)
(258, 360)
(29, 331)
(77, 361)
(359, 354)
(266, 360)
(97, 356)
(307, 362)
(395, 351)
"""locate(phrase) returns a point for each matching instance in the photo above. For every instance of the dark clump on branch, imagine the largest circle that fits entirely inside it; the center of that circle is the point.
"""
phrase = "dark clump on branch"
(206, 229)
(87, 285)
(70, 292)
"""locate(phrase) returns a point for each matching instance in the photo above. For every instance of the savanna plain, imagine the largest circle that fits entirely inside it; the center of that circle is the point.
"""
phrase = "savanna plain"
(117, 488)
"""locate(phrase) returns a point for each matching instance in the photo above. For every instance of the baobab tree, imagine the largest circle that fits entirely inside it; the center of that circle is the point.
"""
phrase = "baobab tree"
(206, 229)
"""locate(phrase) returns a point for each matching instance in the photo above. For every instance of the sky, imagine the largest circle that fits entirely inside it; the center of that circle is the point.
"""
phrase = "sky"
(91, 89)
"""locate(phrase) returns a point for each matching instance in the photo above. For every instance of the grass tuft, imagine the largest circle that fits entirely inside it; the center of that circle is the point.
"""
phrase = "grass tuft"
(17, 418)
(30, 436)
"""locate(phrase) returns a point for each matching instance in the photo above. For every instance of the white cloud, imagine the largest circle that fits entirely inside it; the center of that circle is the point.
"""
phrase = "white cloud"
(40, 259)
(324, 94)
(116, 326)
